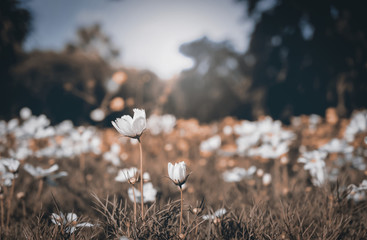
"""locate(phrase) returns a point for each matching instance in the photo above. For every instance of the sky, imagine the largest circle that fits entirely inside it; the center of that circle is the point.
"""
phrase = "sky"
(148, 33)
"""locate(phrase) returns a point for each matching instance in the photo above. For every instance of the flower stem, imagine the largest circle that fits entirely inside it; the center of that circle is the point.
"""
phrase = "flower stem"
(141, 180)
(40, 186)
(134, 205)
(181, 210)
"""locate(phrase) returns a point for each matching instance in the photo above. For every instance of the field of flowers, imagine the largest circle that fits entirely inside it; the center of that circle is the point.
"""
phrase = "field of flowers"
(231, 179)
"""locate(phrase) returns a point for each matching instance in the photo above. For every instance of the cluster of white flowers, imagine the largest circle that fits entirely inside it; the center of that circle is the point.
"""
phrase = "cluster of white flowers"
(161, 124)
(63, 140)
(272, 139)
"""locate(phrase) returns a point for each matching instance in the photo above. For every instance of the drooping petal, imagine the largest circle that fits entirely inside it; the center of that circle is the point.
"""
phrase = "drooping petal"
(86, 224)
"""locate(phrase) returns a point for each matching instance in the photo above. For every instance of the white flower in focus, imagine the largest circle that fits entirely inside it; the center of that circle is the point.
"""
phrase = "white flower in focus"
(25, 113)
(97, 115)
(69, 222)
(131, 127)
(219, 213)
(177, 173)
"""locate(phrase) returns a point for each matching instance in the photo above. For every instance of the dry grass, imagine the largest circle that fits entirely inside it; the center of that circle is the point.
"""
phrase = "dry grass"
(285, 209)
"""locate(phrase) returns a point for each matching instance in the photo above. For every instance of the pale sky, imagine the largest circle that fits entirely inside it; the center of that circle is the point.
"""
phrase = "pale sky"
(147, 32)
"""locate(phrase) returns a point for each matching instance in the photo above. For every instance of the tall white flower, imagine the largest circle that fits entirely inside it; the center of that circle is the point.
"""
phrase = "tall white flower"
(177, 173)
(131, 127)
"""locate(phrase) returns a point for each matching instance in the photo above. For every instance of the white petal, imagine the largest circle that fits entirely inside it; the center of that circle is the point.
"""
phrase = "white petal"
(139, 125)
(124, 126)
(139, 113)
(170, 170)
(71, 217)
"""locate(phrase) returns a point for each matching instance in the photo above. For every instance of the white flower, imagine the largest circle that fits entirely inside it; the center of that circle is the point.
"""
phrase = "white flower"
(315, 164)
(217, 214)
(266, 179)
(237, 174)
(211, 144)
(177, 173)
(11, 163)
(125, 174)
(40, 172)
(97, 115)
(131, 127)
(25, 113)
(69, 222)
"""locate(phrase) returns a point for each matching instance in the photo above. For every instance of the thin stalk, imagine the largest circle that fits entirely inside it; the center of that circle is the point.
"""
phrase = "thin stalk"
(39, 191)
(141, 180)
(181, 210)
(134, 205)
(40, 186)
(10, 201)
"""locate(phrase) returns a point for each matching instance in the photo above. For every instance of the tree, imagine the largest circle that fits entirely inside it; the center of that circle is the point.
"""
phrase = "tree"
(15, 23)
(309, 55)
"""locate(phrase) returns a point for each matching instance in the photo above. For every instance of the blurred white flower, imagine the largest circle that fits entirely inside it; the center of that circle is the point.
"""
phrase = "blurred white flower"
(149, 193)
(315, 164)
(131, 127)
(68, 222)
(13, 124)
(357, 194)
(125, 174)
(211, 144)
(227, 130)
(177, 173)
(25, 113)
(357, 124)
(337, 146)
(12, 164)
(39, 172)
(161, 124)
(97, 115)
(237, 174)
(217, 214)
(266, 179)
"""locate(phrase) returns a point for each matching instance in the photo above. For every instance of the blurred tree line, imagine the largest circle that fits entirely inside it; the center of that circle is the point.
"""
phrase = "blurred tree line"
(304, 56)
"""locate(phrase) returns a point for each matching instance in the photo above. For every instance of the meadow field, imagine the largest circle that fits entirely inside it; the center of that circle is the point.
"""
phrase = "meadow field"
(244, 179)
